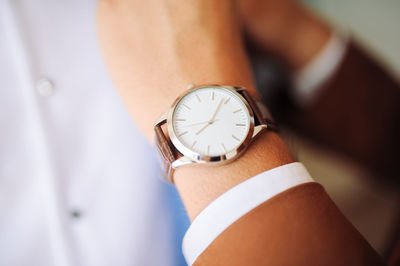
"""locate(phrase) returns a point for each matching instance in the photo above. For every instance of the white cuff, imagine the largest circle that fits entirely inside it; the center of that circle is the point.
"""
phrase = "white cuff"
(236, 202)
(309, 79)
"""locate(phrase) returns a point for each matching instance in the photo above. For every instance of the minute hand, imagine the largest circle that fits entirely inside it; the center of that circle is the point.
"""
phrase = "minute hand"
(216, 111)
(212, 118)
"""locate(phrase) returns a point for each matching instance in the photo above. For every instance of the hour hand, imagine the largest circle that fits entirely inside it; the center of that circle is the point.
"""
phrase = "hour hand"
(205, 126)
(199, 123)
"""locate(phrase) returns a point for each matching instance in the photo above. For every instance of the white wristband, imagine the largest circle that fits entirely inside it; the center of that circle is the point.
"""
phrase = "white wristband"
(236, 202)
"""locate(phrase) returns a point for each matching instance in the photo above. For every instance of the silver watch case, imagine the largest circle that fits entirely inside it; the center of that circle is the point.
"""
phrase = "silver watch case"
(189, 156)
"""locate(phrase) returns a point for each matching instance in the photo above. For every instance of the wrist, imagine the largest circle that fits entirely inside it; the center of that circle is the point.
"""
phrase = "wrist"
(209, 182)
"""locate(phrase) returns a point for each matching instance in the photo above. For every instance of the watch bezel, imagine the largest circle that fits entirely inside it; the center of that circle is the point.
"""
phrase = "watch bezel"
(197, 157)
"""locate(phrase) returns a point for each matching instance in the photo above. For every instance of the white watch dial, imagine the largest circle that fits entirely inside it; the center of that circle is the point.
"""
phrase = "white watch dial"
(211, 121)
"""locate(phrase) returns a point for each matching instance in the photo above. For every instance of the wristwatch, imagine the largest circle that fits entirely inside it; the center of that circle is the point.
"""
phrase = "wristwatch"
(211, 124)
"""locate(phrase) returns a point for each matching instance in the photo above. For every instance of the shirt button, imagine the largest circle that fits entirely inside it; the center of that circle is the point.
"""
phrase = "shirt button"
(45, 87)
(76, 214)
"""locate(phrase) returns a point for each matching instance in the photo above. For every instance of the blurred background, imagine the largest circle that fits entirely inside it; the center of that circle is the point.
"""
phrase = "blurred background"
(371, 206)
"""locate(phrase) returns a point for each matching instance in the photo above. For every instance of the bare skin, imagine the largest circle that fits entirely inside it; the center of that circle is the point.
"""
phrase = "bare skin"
(286, 28)
(153, 50)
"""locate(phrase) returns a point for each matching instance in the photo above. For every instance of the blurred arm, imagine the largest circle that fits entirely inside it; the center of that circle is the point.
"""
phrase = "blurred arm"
(357, 108)
(357, 111)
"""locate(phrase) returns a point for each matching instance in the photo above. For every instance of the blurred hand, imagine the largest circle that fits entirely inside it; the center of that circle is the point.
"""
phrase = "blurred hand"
(286, 28)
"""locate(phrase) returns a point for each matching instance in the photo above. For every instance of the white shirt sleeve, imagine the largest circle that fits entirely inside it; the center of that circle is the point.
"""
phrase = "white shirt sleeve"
(238, 201)
(308, 80)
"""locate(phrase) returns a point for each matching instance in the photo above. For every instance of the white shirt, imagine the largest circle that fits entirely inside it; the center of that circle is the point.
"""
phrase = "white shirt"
(79, 185)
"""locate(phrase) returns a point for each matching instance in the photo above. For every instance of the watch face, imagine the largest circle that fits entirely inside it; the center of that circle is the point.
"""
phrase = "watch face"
(211, 121)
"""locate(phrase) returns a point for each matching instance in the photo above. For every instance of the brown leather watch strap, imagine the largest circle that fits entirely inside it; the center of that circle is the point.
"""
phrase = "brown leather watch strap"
(262, 117)
(165, 152)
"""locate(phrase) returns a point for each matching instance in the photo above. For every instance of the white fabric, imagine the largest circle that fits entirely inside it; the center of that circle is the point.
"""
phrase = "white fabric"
(68, 147)
(308, 80)
(238, 201)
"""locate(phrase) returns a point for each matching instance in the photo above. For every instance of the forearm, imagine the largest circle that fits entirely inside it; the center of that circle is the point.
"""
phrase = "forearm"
(206, 47)
(200, 45)
(301, 226)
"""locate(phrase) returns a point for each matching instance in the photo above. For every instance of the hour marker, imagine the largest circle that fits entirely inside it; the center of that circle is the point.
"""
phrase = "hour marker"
(212, 96)
(186, 106)
(180, 135)
(227, 100)
(180, 119)
(223, 147)
(194, 143)
(208, 149)
(198, 98)
(240, 125)
(238, 110)
(233, 136)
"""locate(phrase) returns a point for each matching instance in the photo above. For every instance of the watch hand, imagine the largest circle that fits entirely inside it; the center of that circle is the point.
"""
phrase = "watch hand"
(199, 123)
(212, 118)
(216, 111)
(205, 126)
